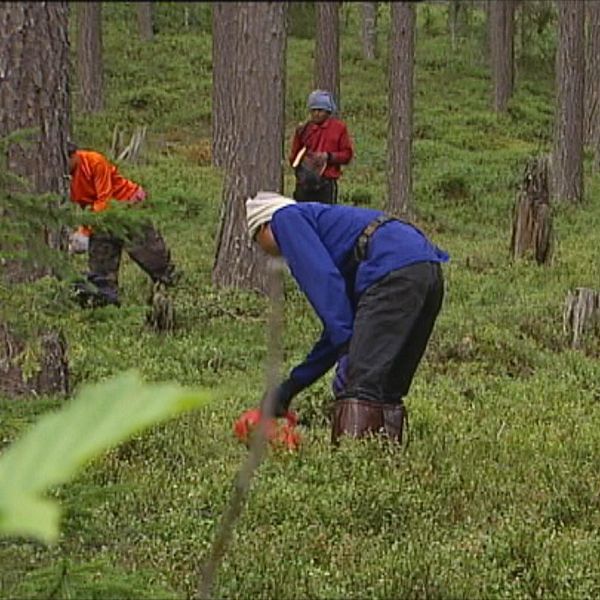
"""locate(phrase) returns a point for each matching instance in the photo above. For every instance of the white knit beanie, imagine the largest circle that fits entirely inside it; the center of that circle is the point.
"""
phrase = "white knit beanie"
(262, 207)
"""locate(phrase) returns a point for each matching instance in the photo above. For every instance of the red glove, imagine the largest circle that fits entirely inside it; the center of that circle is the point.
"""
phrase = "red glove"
(278, 435)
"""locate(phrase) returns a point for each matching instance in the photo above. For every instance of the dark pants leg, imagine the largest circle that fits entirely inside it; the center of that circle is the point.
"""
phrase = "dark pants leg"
(328, 194)
(393, 324)
(104, 258)
(394, 321)
(148, 249)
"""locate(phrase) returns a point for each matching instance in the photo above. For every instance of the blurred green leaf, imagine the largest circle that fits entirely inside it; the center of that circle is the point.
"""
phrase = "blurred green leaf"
(56, 447)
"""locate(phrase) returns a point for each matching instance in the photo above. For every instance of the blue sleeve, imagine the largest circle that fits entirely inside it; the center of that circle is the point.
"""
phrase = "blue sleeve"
(320, 359)
(322, 283)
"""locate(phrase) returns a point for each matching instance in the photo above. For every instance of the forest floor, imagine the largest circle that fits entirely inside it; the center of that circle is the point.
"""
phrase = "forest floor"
(497, 493)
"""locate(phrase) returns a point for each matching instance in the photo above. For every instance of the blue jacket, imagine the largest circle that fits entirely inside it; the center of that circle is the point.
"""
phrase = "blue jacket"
(317, 242)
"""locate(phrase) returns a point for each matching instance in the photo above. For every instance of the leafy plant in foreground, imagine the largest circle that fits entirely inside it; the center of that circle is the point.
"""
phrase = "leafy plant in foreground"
(59, 444)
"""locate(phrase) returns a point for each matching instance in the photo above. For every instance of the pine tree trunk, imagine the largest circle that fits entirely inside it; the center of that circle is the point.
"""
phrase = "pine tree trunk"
(567, 160)
(592, 78)
(369, 30)
(457, 20)
(224, 79)
(144, 16)
(532, 218)
(401, 76)
(34, 95)
(327, 48)
(501, 30)
(34, 90)
(257, 156)
(89, 56)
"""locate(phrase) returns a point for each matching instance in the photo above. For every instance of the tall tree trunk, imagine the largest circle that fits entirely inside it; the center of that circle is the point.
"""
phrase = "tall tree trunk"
(401, 75)
(592, 78)
(224, 79)
(369, 30)
(34, 95)
(257, 157)
(457, 20)
(89, 56)
(34, 91)
(501, 15)
(327, 48)
(144, 16)
(567, 167)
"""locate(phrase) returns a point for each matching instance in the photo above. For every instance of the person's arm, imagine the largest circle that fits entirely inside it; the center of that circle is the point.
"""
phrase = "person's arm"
(296, 147)
(343, 155)
(102, 185)
(325, 288)
(318, 361)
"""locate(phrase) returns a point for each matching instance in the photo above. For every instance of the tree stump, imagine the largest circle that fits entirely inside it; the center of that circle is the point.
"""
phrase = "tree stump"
(532, 217)
(24, 371)
(581, 314)
(131, 151)
(161, 313)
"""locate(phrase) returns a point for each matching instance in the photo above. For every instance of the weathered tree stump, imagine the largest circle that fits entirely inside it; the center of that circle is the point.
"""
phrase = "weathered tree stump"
(161, 313)
(131, 151)
(581, 314)
(532, 217)
(25, 371)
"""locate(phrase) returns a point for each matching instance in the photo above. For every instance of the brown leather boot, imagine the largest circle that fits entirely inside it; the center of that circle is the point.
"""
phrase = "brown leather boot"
(360, 418)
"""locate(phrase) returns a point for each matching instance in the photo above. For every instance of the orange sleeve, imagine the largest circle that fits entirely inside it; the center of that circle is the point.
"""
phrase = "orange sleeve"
(103, 184)
(84, 230)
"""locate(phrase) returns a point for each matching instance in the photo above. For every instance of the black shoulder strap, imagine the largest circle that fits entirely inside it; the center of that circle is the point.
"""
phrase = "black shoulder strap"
(360, 249)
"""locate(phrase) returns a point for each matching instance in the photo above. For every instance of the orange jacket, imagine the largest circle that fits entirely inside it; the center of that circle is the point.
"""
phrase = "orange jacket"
(96, 181)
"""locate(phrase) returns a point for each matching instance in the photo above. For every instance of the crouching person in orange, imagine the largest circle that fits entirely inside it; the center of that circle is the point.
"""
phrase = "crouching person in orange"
(94, 183)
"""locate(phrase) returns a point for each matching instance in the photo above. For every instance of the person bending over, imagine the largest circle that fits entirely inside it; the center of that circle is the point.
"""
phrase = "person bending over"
(95, 182)
(375, 283)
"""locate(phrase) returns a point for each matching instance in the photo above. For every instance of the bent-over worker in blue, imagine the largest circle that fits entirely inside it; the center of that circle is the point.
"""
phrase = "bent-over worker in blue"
(376, 284)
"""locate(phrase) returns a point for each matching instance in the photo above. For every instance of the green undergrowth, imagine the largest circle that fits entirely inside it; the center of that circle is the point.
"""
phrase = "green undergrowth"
(497, 493)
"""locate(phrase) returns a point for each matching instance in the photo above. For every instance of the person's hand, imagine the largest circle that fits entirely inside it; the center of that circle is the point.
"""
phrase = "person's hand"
(79, 243)
(320, 160)
(284, 393)
(340, 379)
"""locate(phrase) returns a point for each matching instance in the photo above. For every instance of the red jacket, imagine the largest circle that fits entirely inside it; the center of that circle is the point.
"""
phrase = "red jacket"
(330, 136)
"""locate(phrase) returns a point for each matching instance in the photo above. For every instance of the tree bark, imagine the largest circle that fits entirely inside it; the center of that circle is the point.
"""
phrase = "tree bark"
(34, 90)
(224, 79)
(256, 163)
(581, 314)
(49, 366)
(592, 78)
(401, 76)
(457, 20)
(327, 48)
(89, 56)
(145, 25)
(532, 218)
(369, 30)
(567, 168)
(34, 96)
(501, 15)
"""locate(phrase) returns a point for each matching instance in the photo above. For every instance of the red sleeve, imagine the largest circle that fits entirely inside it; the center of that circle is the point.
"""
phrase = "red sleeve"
(296, 147)
(103, 185)
(345, 152)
